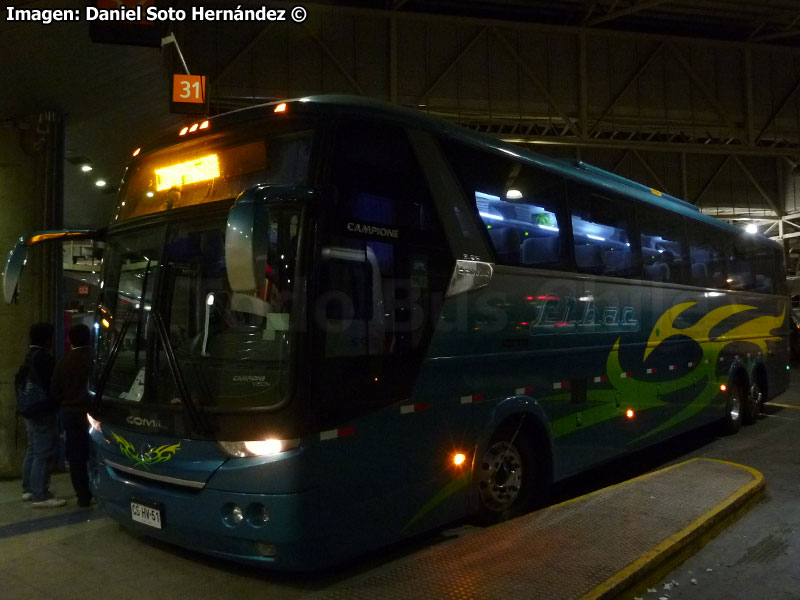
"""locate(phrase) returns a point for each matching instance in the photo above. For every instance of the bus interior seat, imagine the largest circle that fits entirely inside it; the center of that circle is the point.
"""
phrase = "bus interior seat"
(506, 244)
(656, 272)
(763, 284)
(618, 260)
(588, 256)
(540, 250)
(699, 273)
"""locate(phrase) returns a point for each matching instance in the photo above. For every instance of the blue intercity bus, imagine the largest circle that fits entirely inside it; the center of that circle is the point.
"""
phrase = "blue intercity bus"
(330, 323)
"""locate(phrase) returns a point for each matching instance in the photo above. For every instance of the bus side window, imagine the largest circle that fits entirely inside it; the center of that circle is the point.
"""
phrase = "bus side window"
(753, 266)
(779, 268)
(601, 231)
(664, 251)
(707, 255)
(520, 206)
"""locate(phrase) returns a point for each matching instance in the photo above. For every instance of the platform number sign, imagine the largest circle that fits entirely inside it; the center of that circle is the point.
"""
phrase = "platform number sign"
(189, 94)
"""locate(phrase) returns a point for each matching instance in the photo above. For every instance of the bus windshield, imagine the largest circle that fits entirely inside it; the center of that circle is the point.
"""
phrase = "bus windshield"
(232, 349)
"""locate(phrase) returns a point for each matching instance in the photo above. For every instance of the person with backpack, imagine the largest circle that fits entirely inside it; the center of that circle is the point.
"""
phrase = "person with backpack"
(37, 407)
(69, 389)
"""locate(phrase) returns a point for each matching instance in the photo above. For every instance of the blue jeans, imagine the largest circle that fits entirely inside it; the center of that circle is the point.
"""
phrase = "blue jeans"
(42, 448)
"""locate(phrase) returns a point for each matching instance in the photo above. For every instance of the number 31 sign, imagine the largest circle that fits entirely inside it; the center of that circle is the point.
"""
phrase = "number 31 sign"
(188, 94)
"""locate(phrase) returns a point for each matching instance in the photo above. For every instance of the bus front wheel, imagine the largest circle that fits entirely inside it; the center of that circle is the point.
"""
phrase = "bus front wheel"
(506, 477)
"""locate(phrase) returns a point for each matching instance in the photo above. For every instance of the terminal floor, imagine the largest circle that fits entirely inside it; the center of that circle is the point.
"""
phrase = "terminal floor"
(71, 552)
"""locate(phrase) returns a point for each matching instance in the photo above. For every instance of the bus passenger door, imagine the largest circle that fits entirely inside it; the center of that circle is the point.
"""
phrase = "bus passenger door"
(381, 267)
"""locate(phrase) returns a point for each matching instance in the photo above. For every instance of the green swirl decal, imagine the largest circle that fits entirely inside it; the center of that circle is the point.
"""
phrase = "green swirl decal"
(703, 377)
(146, 458)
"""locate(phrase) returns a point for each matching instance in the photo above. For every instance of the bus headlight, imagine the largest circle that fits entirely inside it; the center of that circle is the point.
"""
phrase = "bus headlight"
(266, 447)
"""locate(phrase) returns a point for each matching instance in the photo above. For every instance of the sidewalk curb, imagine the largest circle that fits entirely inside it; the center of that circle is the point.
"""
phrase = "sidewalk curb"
(677, 547)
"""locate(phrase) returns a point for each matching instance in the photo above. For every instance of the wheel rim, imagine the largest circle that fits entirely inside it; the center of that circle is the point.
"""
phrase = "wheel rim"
(735, 405)
(500, 476)
(755, 395)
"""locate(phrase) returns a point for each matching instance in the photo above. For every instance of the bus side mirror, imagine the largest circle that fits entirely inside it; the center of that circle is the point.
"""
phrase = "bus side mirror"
(17, 259)
(246, 242)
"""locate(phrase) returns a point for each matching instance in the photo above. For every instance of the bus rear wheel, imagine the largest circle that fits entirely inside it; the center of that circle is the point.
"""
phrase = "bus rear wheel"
(755, 399)
(506, 477)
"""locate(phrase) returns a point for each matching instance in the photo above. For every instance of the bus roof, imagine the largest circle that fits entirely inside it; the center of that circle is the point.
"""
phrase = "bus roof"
(578, 171)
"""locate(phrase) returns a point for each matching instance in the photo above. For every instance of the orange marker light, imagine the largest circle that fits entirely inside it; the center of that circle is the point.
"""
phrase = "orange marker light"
(204, 125)
(193, 128)
(458, 459)
(629, 413)
(136, 152)
(723, 387)
(280, 108)
(105, 323)
(184, 131)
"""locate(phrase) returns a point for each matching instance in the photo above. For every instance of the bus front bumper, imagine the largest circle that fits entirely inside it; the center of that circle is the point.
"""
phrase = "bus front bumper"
(267, 530)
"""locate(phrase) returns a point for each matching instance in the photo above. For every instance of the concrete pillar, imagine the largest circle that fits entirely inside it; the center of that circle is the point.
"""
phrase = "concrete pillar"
(30, 200)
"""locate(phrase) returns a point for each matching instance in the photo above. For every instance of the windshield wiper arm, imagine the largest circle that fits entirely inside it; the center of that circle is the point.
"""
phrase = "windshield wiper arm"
(112, 356)
(194, 411)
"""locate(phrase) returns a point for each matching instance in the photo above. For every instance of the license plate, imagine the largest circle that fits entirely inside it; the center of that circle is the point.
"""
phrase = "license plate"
(146, 515)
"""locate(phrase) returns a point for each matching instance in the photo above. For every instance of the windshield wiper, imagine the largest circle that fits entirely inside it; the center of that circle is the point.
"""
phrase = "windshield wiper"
(101, 384)
(194, 411)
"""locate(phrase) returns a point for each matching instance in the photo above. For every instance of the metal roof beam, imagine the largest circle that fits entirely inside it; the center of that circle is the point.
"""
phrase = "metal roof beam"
(424, 97)
(532, 76)
(652, 173)
(332, 57)
(623, 12)
(700, 84)
(780, 107)
(756, 185)
(711, 180)
(627, 86)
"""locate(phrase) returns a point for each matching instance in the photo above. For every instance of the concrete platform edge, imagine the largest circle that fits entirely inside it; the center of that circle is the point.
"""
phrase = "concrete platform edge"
(671, 548)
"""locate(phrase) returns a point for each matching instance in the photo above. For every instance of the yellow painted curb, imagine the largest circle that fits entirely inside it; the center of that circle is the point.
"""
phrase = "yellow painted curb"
(783, 405)
(651, 559)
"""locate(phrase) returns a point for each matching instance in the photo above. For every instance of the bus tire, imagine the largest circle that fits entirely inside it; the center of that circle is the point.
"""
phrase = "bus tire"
(752, 407)
(506, 476)
(733, 407)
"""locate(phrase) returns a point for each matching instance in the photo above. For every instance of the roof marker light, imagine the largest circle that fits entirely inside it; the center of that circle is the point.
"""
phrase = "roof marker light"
(184, 131)
(193, 128)
(204, 125)
(280, 108)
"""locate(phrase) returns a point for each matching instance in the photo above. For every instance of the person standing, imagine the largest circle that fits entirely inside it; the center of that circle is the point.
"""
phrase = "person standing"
(69, 389)
(42, 428)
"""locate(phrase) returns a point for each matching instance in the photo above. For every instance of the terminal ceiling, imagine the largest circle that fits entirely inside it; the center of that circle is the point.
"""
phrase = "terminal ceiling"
(701, 99)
